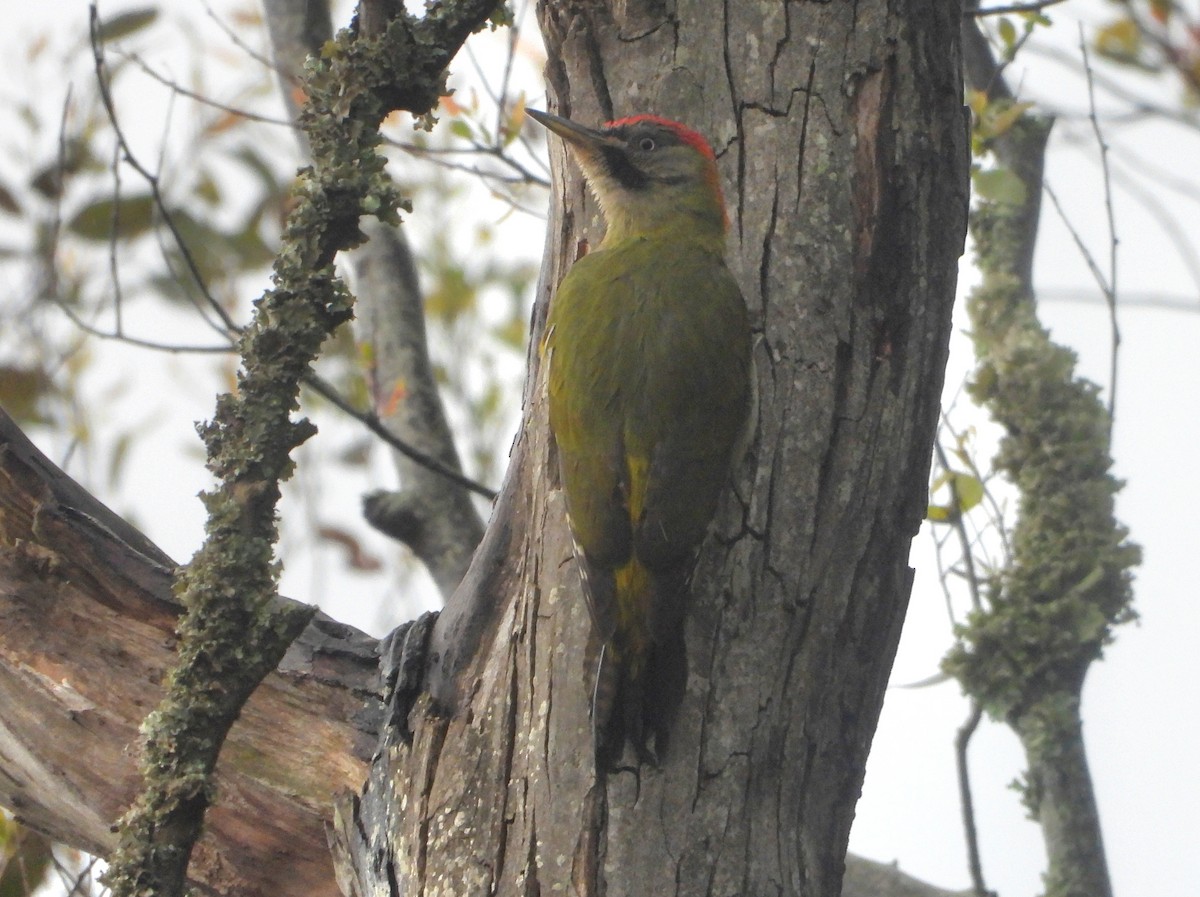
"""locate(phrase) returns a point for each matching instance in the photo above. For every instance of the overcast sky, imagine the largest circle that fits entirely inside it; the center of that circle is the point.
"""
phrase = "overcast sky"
(1140, 709)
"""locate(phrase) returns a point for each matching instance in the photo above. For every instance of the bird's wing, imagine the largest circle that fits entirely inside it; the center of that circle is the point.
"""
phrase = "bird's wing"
(584, 394)
(693, 414)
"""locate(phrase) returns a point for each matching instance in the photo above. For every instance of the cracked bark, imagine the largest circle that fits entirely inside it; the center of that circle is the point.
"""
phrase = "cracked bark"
(850, 213)
(87, 621)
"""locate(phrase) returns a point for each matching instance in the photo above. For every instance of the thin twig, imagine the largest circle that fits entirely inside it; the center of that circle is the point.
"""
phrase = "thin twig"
(1114, 88)
(1097, 274)
(1110, 295)
(476, 148)
(956, 521)
(114, 231)
(1171, 55)
(121, 336)
(376, 426)
(1163, 301)
(514, 32)
(315, 383)
(179, 89)
(241, 44)
(1174, 230)
(1166, 177)
(50, 252)
(150, 178)
(981, 11)
(939, 545)
(962, 741)
(996, 515)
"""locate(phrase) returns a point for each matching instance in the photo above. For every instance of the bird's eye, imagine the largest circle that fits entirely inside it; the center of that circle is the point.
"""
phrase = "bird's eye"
(646, 144)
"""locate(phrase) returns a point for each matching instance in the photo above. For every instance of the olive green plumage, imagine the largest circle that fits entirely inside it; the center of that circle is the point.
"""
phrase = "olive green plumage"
(648, 351)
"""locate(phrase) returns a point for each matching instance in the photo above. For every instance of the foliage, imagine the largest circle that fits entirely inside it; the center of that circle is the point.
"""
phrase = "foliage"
(25, 858)
(107, 260)
(1155, 36)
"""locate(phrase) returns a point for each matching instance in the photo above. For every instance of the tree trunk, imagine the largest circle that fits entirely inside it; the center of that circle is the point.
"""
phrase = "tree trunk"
(86, 635)
(843, 151)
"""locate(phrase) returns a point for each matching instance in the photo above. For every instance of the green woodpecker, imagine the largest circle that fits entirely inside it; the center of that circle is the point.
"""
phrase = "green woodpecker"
(647, 345)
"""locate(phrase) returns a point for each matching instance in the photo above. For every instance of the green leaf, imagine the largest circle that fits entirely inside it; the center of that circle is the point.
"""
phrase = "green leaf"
(209, 247)
(120, 454)
(207, 189)
(1002, 116)
(21, 392)
(999, 185)
(451, 297)
(1120, 41)
(127, 23)
(130, 215)
(25, 863)
(512, 333)
(1008, 32)
(260, 168)
(939, 514)
(969, 490)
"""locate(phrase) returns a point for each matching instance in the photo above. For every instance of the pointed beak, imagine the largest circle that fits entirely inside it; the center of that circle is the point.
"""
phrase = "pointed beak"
(587, 139)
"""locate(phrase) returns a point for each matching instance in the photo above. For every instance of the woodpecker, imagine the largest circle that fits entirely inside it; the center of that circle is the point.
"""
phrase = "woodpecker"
(647, 345)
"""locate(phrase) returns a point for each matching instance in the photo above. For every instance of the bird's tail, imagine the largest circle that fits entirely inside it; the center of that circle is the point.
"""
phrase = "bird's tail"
(641, 672)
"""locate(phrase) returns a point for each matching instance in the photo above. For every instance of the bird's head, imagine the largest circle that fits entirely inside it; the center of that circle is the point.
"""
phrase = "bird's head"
(648, 174)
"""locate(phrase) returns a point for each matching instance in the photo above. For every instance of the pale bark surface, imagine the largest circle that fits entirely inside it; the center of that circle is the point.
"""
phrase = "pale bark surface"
(843, 152)
(431, 515)
(87, 631)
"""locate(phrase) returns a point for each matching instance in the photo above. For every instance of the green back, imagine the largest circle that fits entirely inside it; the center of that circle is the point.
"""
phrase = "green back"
(649, 383)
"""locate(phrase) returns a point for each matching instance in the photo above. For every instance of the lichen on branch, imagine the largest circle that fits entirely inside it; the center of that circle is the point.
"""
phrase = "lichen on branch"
(235, 627)
(1051, 611)
(1024, 654)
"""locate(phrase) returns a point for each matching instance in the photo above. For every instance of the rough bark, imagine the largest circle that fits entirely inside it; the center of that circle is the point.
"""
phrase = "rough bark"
(843, 151)
(87, 631)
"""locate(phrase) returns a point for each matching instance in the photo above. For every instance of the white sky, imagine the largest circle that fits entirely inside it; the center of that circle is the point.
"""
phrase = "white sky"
(1140, 709)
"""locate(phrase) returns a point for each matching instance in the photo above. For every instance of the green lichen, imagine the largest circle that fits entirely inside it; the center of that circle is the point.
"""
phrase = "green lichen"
(1050, 613)
(235, 628)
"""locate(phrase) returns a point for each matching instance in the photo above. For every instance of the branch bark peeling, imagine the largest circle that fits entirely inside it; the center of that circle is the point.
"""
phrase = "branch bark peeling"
(87, 627)
(235, 629)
